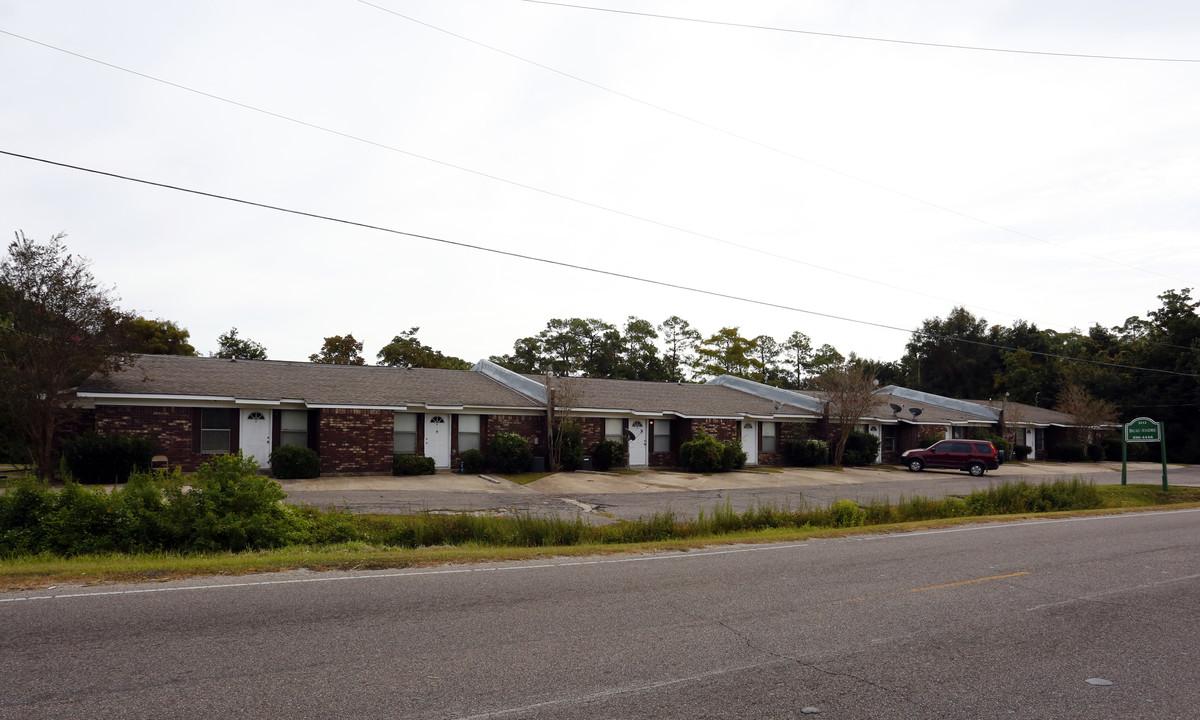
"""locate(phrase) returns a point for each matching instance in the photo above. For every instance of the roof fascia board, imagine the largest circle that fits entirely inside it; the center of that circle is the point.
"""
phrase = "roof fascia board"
(140, 396)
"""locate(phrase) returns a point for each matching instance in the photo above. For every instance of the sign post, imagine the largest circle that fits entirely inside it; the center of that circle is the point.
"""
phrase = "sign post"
(1144, 430)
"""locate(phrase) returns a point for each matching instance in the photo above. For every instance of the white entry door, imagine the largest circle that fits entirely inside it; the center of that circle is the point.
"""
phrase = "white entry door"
(750, 441)
(256, 436)
(437, 439)
(638, 456)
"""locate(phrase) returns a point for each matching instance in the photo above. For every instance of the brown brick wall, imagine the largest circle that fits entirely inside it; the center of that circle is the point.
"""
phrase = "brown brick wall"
(530, 427)
(169, 427)
(356, 441)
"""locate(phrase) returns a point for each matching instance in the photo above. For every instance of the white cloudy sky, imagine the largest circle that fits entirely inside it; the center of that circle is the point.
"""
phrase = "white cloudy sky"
(878, 181)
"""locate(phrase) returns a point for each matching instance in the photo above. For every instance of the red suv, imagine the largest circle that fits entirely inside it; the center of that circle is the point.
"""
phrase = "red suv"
(974, 456)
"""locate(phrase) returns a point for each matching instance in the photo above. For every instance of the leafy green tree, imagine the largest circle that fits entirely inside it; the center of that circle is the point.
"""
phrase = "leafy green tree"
(525, 357)
(232, 347)
(951, 357)
(798, 355)
(158, 337)
(639, 353)
(339, 350)
(766, 355)
(57, 327)
(680, 339)
(825, 359)
(405, 350)
(727, 353)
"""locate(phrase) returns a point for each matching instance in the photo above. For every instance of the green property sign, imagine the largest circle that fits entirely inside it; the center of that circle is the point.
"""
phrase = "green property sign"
(1143, 430)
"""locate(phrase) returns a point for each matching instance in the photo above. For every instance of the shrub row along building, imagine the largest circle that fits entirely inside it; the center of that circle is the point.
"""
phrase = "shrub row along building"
(356, 417)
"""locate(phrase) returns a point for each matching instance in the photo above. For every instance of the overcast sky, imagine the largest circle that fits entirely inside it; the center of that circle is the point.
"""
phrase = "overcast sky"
(882, 182)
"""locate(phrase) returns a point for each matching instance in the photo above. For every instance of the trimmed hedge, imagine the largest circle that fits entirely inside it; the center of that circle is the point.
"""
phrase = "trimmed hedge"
(706, 454)
(412, 465)
(107, 459)
(609, 454)
(472, 461)
(289, 462)
(510, 453)
(861, 449)
(807, 453)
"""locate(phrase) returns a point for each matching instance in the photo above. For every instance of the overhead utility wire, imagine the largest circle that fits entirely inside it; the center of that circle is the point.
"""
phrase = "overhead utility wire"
(772, 148)
(479, 173)
(572, 266)
(843, 36)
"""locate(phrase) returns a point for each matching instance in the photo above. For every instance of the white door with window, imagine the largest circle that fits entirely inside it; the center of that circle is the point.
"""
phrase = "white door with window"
(638, 455)
(256, 436)
(750, 441)
(437, 439)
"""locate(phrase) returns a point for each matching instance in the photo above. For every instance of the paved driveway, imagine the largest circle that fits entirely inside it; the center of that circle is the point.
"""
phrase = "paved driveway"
(601, 497)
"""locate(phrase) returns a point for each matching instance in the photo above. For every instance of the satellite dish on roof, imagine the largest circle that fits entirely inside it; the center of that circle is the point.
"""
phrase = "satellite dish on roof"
(915, 412)
(896, 408)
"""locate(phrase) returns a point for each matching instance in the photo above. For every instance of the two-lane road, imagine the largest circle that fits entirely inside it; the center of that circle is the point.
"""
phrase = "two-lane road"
(998, 620)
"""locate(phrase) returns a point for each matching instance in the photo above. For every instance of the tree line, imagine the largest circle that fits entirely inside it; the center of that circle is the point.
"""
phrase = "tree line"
(58, 325)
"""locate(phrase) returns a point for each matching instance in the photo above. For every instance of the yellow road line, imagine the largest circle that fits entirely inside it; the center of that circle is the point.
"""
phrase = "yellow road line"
(966, 582)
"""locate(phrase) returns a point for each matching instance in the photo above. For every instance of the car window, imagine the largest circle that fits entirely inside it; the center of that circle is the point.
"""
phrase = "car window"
(985, 448)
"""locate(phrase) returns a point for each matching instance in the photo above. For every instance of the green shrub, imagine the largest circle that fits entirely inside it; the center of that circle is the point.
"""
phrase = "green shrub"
(1020, 452)
(107, 459)
(235, 508)
(412, 465)
(847, 513)
(706, 454)
(472, 461)
(570, 445)
(861, 449)
(807, 453)
(930, 438)
(1069, 452)
(290, 462)
(732, 456)
(609, 454)
(510, 453)
(1095, 453)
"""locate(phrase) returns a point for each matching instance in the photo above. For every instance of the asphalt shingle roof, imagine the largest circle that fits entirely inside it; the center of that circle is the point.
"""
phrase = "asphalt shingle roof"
(686, 399)
(313, 383)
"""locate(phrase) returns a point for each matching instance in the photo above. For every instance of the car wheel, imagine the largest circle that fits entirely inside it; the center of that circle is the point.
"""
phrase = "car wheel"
(975, 469)
(916, 465)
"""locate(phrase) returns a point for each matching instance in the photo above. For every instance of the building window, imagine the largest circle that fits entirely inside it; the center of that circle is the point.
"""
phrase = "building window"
(662, 435)
(768, 437)
(613, 430)
(958, 433)
(404, 434)
(293, 428)
(215, 431)
(1039, 441)
(468, 432)
(889, 438)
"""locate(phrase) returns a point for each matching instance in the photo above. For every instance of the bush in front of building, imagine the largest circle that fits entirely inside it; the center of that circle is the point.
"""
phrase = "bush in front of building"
(510, 453)
(569, 437)
(1069, 452)
(807, 453)
(706, 454)
(930, 438)
(291, 462)
(472, 461)
(1095, 453)
(1020, 452)
(861, 449)
(609, 454)
(403, 464)
(94, 459)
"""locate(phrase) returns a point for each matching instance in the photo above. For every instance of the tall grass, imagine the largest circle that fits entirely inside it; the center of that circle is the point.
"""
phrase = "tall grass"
(78, 521)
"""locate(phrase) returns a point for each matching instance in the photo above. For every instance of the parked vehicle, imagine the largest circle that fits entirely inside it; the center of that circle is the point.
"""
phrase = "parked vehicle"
(973, 456)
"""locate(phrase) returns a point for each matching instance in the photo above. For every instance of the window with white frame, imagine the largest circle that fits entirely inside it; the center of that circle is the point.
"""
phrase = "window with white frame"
(216, 431)
(662, 436)
(468, 432)
(614, 429)
(293, 428)
(768, 437)
(404, 434)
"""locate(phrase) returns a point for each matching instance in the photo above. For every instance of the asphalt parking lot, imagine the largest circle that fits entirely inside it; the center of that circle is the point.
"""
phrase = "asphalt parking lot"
(604, 497)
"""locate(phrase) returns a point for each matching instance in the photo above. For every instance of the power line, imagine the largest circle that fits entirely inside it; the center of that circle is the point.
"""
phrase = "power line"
(842, 36)
(780, 151)
(572, 266)
(596, 206)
